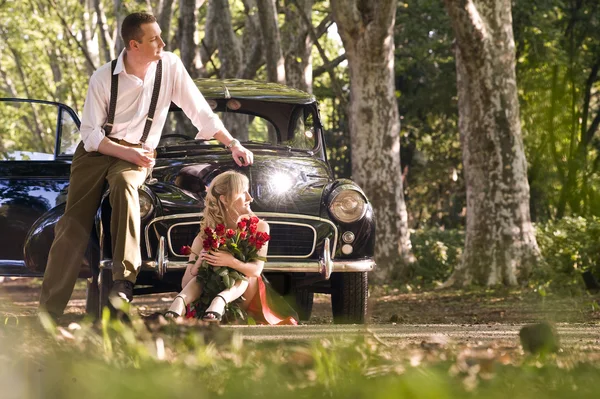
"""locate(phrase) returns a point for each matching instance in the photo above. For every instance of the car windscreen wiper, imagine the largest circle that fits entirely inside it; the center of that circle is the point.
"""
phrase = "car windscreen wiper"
(277, 146)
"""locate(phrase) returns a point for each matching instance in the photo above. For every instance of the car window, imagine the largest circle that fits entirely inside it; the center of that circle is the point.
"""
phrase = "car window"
(69, 134)
(244, 127)
(27, 130)
(297, 127)
(302, 130)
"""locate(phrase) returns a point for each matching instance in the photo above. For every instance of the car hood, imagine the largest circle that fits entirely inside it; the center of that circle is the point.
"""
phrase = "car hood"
(282, 185)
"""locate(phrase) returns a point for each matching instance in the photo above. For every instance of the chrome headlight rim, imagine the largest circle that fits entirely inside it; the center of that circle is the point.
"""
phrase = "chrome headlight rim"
(347, 189)
(146, 204)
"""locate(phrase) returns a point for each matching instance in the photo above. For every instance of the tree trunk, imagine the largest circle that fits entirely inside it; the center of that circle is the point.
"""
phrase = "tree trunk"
(500, 246)
(208, 43)
(298, 60)
(230, 54)
(89, 40)
(367, 31)
(187, 28)
(165, 14)
(119, 16)
(267, 12)
(253, 53)
(106, 42)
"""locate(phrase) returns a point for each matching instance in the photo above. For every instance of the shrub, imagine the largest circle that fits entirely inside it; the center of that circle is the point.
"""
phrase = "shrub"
(437, 252)
(569, 246)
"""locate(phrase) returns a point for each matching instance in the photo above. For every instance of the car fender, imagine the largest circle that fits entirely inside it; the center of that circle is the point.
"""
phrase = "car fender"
(39, 240)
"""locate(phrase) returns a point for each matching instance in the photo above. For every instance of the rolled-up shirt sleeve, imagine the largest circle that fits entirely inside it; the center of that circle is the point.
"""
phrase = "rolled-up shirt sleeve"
(94, 115)
(187, 97)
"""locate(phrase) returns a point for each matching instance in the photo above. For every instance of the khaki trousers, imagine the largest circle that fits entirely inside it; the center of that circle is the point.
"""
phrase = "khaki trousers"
(89, 172)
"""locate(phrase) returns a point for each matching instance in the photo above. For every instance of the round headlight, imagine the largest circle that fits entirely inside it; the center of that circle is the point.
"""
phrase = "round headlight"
(348, 206)
(146, 205)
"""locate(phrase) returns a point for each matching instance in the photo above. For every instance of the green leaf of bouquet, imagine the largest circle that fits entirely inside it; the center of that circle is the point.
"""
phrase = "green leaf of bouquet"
(239, 312)
(251, 321)
(264, 259)
(227, 281)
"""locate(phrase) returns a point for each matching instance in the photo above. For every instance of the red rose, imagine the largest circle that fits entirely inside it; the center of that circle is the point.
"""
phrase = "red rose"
(262, 237)
(206, 244)
(185, 250)
(220, 230)
(253, 220)
(242, 225)
(208, 231)
(222, 240)
(229, 233)
(259, 245)
(243, 235)
(252, 229)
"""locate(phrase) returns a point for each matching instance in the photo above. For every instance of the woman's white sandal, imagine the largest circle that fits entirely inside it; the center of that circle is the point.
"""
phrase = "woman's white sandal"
(171, 314)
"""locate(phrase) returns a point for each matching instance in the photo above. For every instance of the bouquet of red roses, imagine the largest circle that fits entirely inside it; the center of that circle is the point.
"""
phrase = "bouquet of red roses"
(243, 243)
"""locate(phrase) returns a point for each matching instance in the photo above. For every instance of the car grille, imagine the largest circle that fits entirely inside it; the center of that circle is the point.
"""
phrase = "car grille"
(287, 239)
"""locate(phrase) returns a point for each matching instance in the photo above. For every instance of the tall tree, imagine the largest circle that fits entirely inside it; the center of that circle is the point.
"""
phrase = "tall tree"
(298, 60)
(267, 12)
(366, 29)
(500, 242)
(188, 10)
(164, 15)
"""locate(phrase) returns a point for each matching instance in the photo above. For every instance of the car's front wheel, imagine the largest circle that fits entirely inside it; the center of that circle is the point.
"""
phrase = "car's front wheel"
(349, 294)
(304, 303)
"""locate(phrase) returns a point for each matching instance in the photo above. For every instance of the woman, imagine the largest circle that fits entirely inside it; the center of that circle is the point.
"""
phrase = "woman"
(227, 200)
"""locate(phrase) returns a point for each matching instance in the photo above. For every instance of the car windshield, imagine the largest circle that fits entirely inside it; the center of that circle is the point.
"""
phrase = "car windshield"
(27, 130)
(255, 122)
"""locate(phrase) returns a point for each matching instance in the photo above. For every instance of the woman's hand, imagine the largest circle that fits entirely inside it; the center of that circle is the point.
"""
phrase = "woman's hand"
(196, 266)
(218, 258)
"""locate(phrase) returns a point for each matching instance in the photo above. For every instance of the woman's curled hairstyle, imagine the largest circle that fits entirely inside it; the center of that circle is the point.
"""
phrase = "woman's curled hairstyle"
(227, 184)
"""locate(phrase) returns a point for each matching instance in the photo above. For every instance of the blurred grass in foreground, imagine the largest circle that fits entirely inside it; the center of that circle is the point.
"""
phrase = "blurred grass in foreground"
(153, 359)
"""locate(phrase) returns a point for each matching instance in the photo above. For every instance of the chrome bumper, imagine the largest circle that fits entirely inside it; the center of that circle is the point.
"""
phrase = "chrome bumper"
(325, 266)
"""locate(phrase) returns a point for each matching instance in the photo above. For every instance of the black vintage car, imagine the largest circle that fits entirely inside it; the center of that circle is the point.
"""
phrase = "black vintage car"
(322, 228)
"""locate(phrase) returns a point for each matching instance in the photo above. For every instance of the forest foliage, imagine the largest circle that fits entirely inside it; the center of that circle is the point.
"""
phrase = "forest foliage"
(49, 48)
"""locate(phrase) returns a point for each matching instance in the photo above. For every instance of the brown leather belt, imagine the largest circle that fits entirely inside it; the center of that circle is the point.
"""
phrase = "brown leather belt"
(128, 144)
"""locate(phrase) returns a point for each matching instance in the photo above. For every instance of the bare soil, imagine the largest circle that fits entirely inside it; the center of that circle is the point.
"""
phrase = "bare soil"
(19, 296)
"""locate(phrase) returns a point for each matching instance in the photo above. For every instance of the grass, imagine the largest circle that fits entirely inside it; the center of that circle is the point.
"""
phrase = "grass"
(154, 359)
(150, 358)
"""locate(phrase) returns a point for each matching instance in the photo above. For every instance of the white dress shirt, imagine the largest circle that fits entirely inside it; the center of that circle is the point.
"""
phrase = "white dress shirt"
(133, 102)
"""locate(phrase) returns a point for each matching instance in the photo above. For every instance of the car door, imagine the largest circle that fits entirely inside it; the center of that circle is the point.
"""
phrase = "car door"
(37, 140)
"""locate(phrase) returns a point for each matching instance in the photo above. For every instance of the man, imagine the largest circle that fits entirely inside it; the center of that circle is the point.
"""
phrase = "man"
(121, 152)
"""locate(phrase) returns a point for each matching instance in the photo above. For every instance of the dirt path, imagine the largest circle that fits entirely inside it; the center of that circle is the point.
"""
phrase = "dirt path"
(395, 317)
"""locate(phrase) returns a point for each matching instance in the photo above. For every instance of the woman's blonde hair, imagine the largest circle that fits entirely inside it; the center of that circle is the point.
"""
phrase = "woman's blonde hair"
(229, 184)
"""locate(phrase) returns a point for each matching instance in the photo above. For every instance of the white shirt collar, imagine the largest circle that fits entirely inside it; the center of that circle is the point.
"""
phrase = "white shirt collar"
(120, 67)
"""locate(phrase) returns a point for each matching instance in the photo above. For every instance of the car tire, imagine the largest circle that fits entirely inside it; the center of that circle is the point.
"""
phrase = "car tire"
(105, 283)
(92, 306)
(349, 294)
(97, 293)
(304, 304)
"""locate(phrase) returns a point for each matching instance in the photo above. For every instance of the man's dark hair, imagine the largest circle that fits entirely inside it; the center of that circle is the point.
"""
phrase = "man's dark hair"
(131, 27)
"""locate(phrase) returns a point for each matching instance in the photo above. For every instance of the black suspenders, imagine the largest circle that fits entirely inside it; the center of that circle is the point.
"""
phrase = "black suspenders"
(114, 89)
